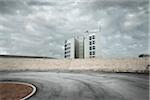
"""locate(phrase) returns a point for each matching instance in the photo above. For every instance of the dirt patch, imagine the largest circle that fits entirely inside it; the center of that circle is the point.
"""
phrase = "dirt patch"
(14, 91)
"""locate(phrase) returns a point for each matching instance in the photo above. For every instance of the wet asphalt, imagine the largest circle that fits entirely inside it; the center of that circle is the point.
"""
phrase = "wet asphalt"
(83, 85)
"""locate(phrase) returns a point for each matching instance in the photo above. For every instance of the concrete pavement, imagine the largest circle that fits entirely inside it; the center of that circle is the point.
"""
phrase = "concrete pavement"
(83, 86)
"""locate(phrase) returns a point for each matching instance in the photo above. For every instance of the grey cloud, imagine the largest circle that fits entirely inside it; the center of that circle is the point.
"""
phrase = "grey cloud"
(40, 3)
(97, 4)
(39, 27)
(13, 7)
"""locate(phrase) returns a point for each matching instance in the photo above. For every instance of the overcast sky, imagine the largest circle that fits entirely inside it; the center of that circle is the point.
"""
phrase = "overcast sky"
(39, 27)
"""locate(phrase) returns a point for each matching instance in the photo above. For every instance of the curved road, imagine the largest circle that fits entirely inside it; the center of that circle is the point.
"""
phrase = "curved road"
(83, 86)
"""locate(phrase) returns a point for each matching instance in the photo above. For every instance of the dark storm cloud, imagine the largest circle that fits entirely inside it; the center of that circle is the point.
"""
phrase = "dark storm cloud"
(13, 7)
(40, 3)
(39, 27)
(119, 3)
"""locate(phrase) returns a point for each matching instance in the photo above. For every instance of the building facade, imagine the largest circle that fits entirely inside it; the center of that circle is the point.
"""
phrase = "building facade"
(87, 46)
(69, 48)
(74, 48)
(92, 45)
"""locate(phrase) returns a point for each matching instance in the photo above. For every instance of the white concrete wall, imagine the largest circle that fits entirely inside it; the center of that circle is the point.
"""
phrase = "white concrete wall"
(72, 51)
(98, 45)
(86, 47)
(81, 47)
(110, 65)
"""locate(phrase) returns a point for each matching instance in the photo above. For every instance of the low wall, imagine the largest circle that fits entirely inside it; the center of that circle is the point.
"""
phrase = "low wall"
(108, 65)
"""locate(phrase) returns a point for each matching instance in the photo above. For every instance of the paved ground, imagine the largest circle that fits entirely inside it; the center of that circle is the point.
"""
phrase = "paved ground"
(84, 86)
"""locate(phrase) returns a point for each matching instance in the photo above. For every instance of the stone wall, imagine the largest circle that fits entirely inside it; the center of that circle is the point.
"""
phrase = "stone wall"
(109, 65)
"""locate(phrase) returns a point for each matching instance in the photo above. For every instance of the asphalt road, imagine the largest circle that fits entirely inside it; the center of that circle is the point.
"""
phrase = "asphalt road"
(83, 86)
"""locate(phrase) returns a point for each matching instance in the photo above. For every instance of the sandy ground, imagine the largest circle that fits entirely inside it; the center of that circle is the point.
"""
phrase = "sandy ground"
(14, 91)
(84, 86)
(106, 65)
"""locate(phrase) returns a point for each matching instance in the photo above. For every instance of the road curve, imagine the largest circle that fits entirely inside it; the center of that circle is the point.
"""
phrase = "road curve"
(83, 86)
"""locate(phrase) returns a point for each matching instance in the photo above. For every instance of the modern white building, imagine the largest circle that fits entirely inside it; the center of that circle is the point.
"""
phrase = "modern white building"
(69, 48)
(74, 48)
(87, 46)
(92, 45)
